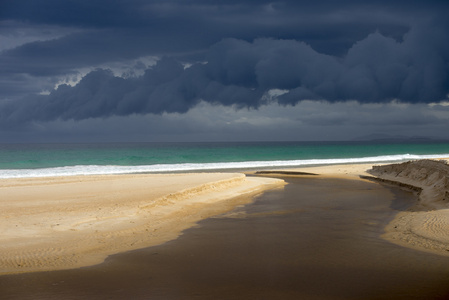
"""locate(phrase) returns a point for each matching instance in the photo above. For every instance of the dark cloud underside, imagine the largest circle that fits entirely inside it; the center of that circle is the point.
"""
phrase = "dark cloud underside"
(244, 54)
(375, 69)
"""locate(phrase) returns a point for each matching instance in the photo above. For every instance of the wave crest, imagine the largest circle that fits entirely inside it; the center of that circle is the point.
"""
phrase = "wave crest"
(188, 167)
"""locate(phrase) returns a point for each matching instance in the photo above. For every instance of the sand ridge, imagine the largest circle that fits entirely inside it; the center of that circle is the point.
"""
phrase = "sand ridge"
(425, 226)
(68, 222)
(344, 171)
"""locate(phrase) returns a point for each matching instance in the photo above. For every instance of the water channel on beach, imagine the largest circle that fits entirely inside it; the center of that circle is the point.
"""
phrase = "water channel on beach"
(317, 238)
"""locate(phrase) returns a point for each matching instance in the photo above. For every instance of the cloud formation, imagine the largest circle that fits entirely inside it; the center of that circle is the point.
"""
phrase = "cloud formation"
(236, 72)
(78, 61)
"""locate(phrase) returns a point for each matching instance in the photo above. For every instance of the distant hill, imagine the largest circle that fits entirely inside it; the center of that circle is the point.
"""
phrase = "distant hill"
(394, 138)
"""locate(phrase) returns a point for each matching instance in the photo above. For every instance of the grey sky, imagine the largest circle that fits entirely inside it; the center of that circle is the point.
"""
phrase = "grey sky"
(222, 70)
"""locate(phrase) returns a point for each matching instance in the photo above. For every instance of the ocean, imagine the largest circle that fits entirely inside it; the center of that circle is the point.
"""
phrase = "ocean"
(41, 160)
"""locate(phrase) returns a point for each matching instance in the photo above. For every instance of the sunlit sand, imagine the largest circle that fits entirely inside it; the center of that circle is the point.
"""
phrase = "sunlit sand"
(67, 222)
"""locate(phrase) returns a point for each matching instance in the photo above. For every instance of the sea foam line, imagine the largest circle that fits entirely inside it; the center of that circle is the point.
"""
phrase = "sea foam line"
(183, 167)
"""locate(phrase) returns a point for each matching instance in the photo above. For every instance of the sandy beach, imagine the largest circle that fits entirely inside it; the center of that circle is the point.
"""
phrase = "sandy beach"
(425, 225)
(317, 237)
(303, 233)
(69, 222)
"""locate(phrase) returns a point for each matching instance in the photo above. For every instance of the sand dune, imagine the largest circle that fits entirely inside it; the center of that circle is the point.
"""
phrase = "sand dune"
(67, 222)
(425, 225)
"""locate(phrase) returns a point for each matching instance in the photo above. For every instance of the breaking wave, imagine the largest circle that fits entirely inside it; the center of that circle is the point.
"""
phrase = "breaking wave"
(191, 167)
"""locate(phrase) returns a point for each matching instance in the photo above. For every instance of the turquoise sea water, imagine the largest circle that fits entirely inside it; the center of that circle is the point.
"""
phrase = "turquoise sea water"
(34, 160)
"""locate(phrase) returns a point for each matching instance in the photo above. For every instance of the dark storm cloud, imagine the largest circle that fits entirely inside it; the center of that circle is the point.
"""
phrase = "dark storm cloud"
(368, 51)
(114, 30)
(241, 73)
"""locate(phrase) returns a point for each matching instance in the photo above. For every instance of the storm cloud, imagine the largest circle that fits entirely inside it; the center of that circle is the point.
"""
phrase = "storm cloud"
(72, 61)
(240, 73)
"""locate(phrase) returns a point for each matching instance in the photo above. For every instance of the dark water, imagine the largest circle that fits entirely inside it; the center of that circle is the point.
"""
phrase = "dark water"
(316, 239)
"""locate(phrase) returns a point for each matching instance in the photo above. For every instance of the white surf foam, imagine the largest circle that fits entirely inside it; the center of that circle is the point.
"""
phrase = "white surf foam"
(184, 167)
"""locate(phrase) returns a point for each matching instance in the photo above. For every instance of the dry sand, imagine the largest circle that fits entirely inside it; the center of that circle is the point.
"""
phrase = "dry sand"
(350, 171)
(344, 171)
(425, 226)
(68, 222)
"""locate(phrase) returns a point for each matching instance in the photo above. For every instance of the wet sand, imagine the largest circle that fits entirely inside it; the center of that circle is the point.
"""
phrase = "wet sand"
(317, 238)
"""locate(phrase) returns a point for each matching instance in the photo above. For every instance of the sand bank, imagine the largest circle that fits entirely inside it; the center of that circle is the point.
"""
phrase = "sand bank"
(69, 222)
(425, 226)
(349, 171)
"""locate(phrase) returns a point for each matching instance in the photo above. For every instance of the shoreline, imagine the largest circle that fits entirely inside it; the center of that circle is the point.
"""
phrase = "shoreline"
(101, 215)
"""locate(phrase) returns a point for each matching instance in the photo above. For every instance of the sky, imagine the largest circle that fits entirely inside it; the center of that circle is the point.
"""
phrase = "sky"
(247, 70)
